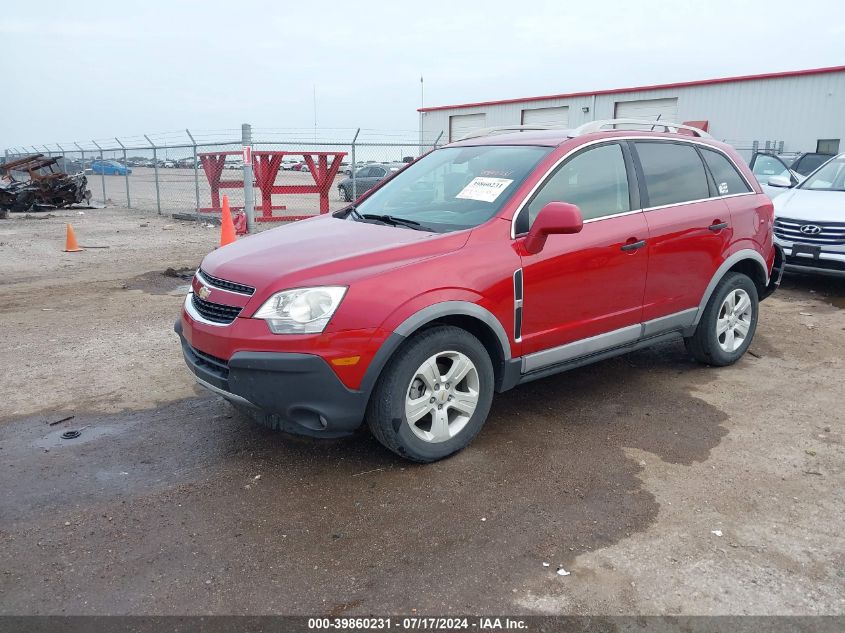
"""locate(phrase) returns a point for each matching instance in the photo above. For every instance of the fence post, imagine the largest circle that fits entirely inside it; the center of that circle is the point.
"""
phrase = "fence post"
(196, 169)
(352, 167)
(82, 151)
(437, 140)
(249, 194)
(155, 166)
(102, 171)
(125, 172)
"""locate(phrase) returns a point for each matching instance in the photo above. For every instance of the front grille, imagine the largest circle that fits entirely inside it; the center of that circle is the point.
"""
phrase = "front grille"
(223, 284)
(825, 264)
(832, 233)
(215, 312)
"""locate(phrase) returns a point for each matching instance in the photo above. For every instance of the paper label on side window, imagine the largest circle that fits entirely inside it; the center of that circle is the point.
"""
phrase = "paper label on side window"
(723, 188)
(484, 189)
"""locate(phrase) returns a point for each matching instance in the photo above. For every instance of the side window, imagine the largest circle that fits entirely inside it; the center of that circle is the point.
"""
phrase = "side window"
(595, 180)
(673, 173)
(377, 172)
(364, 172)
(728, 180)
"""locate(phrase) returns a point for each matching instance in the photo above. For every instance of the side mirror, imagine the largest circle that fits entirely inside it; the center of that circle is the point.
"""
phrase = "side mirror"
(555, 218)
(780, 181)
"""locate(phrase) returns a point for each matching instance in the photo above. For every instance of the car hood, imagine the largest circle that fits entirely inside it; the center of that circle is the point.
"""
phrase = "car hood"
(815, 206)
(324, 250)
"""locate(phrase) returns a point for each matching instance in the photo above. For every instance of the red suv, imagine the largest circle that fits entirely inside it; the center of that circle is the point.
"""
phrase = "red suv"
(487, 263)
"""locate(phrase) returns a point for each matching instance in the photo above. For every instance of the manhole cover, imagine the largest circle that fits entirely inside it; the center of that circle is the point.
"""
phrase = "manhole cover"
(71, 435)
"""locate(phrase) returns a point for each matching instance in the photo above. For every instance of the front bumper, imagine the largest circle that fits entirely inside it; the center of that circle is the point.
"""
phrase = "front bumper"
(301, 389)
(826, 260)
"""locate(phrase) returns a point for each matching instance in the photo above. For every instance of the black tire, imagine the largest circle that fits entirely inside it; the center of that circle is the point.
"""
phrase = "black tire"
(386, 410)
(344, 194)
(704, 343)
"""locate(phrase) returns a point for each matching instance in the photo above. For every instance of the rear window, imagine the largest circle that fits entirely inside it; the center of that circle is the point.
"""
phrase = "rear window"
(728, 180)
(673, 173)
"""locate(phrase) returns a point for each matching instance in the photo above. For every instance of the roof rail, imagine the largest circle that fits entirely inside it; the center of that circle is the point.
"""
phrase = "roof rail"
(487, 131)
(596, 126)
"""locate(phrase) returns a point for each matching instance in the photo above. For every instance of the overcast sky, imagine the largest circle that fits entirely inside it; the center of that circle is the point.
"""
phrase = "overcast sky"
(91, 70)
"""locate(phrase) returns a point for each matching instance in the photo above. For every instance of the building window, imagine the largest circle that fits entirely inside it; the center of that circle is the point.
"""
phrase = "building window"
(827, 146)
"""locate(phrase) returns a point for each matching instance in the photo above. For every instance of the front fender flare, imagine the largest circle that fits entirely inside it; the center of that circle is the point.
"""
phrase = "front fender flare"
(426, 315)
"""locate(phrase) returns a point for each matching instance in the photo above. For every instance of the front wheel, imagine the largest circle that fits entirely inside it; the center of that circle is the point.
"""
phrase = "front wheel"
(344, 194)
(433, 396)
(727, 326)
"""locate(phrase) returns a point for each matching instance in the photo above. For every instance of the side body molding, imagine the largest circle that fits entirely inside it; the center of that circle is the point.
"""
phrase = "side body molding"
(726, 265)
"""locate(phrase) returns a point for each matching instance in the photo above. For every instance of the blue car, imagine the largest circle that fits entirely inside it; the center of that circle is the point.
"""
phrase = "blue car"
(109, 168)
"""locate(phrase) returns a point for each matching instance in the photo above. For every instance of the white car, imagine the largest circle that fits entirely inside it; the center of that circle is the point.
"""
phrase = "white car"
(810, 220)
(765, 166)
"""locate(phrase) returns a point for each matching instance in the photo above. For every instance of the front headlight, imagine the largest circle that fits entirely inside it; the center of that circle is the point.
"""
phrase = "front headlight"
(301, 311)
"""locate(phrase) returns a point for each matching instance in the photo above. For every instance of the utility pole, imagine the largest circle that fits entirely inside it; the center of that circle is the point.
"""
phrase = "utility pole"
(315, 113)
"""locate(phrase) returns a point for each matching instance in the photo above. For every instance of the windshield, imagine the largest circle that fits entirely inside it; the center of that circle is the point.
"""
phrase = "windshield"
(831, 177)
(456, 187)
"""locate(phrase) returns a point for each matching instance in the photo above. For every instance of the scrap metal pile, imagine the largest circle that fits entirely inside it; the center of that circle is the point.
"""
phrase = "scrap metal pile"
(35, 182)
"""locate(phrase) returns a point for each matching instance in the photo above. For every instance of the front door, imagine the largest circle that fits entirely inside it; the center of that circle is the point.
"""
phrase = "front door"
(588, 284)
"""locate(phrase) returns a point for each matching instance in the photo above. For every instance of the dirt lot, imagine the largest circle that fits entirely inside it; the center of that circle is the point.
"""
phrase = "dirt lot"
(664, 487)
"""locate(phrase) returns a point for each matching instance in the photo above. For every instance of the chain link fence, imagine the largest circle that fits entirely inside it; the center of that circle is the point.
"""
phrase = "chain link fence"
(294, 173)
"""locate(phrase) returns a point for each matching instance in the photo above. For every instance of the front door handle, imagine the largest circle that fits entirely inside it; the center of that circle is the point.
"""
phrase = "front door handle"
(718, 226)
(632, 246)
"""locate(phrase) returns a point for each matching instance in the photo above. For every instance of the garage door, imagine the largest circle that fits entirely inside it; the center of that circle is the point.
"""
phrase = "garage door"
(462, 124)
(558, 117)
(649, 109)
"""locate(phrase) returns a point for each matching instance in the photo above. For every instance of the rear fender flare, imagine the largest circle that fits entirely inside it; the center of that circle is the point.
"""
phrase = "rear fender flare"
(729, 263)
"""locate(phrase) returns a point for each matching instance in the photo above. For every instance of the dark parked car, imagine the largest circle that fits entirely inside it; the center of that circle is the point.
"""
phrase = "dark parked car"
(365, 179)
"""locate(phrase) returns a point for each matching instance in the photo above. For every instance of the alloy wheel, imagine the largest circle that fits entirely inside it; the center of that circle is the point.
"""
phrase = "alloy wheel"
(442, 396)
(734, 320)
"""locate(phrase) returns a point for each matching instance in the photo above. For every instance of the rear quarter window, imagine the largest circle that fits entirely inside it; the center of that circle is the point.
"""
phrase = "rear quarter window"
(673, 173)
(728, 179)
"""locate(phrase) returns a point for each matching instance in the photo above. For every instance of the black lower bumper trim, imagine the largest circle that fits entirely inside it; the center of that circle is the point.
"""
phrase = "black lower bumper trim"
(300, 388)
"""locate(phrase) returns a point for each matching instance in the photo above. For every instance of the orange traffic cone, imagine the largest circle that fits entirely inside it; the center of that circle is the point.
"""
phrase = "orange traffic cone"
(227, 227)
(70, 241)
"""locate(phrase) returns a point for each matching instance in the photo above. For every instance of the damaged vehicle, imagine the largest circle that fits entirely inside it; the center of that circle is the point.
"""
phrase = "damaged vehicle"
(35, 181)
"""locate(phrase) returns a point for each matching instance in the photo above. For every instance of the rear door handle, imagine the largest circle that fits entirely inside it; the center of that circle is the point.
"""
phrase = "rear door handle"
(718, 226)
(633, 246)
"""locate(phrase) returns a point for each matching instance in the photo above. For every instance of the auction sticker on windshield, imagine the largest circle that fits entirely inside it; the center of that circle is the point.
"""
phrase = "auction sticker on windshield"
(484, 189)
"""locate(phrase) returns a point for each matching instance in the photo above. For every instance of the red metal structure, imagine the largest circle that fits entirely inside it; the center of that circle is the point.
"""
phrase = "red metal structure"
(323, 167)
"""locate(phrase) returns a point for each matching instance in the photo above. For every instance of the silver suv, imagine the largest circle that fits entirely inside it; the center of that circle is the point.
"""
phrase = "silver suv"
(810, 221)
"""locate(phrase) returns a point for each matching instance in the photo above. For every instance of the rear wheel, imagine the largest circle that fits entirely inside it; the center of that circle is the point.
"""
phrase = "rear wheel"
(727, 326)
(344, 194)
(433, 396)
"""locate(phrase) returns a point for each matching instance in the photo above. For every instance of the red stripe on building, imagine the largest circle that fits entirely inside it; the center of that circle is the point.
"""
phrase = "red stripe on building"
(682, 84)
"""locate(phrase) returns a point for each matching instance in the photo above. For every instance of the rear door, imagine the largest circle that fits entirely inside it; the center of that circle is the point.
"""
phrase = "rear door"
(588, 284)
(689, 227)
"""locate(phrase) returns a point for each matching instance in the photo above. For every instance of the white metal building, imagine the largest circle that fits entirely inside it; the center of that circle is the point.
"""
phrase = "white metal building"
(800, 110)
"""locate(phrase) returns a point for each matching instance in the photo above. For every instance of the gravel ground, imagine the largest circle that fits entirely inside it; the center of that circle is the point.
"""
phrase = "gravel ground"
(662, 486)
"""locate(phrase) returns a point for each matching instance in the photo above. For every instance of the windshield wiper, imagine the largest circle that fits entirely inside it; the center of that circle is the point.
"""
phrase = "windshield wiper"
(394, 220)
